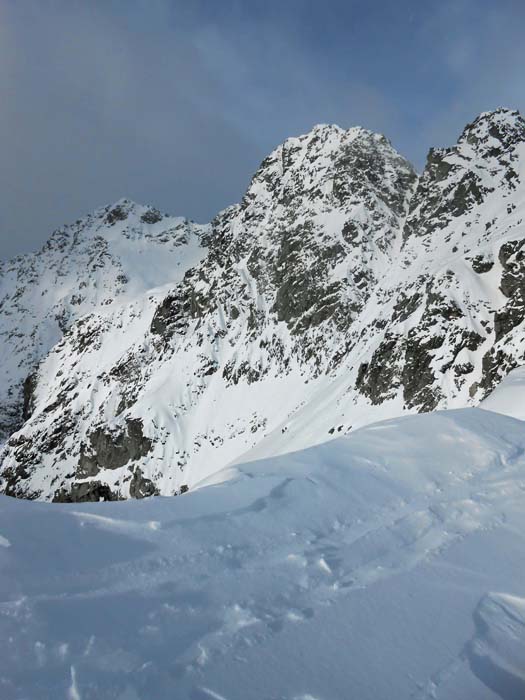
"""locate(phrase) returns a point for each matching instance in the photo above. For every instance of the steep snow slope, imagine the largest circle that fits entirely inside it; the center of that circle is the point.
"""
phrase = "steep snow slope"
(386, 564)
(339, 292)
(115, 254)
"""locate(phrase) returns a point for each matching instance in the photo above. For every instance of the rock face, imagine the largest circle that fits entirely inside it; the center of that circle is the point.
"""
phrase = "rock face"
(341, 290)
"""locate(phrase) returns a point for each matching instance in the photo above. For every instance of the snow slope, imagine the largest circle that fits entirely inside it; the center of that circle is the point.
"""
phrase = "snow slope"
(386, 564)
(509, 396)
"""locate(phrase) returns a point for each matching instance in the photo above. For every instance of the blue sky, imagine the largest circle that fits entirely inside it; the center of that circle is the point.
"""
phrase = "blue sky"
(175, 103)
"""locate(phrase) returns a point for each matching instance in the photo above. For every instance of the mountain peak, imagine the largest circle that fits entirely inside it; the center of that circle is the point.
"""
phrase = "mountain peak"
(125, 212)
(328, 159)
(324, 126)
(119, 210)
(334, 130)
(498, 129)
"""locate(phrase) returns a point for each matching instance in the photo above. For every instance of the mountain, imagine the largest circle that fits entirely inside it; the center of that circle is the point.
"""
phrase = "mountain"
(113, 256)
(385, 564)
(342, 290)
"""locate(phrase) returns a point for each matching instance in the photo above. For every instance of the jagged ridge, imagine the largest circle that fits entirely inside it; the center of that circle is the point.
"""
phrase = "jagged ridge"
(341, 290)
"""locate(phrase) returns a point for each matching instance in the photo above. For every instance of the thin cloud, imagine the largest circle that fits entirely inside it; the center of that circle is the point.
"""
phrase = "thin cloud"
(176, 103)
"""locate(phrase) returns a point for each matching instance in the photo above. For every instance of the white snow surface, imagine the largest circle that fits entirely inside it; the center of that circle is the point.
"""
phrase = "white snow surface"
(509, 396)
(386, 564)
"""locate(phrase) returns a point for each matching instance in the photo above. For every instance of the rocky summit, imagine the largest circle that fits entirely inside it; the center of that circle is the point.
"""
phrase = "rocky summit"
(142, 353)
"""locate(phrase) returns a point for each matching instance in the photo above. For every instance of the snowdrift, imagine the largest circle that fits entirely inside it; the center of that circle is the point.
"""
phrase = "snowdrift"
(386, 564)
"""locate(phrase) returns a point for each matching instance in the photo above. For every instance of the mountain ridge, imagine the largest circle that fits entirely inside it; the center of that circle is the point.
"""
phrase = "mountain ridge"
(289, 322)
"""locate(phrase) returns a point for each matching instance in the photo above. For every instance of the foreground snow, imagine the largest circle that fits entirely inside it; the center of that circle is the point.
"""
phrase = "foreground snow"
(387, 564)
(507, 397)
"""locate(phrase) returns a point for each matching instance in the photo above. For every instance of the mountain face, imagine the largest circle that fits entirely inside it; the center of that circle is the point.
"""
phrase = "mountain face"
(113, 256)
(144, 353)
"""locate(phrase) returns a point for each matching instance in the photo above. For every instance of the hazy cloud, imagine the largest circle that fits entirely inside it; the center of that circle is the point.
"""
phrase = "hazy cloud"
(175, 103)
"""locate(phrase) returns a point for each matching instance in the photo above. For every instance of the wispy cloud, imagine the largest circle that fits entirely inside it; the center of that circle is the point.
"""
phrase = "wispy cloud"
(175, 103)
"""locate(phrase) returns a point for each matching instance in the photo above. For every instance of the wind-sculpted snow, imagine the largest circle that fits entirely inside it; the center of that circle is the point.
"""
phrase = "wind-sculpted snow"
(342, 290)
(497, 653)
(386, 564)
(507, 398)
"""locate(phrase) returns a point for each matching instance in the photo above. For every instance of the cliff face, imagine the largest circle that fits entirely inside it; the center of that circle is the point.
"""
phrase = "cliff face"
(340, 291)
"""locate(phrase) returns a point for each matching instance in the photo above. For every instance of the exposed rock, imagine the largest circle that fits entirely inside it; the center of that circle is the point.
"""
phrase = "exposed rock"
(30, 383)
(496, 365)
(113, 449)
(152, 216)
(481, 264)
(85, 491)
(379, 379)
(512, 259)
(115, 214)
(418, 378)
(140, 487)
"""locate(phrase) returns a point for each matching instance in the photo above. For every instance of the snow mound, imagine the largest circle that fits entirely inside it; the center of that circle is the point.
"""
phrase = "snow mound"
(497, 654)
(350, 569)
(509, 397)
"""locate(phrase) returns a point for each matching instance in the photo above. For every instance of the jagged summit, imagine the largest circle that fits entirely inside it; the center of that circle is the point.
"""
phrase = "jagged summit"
(325, 140)
(495, 131)
(341, 290)
(125, 213)
(123, 219)
(326, 128)
(331, 165)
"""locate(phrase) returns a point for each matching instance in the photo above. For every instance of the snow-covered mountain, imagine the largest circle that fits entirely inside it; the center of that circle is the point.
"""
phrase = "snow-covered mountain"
(342, 290)
(110, 257)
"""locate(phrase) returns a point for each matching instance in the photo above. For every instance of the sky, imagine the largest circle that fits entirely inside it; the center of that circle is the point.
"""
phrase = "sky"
(175, 103)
